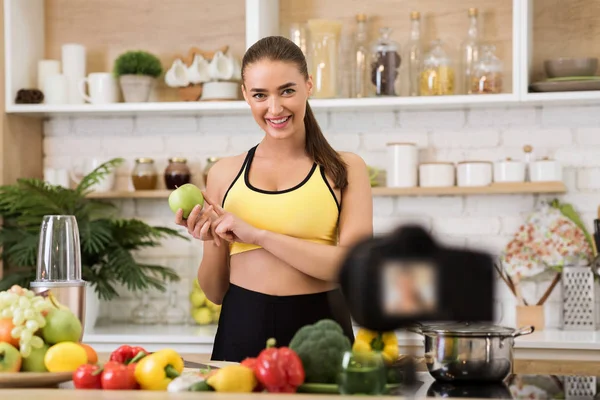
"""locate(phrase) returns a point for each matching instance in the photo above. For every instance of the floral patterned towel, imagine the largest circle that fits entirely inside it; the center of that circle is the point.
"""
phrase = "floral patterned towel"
(547, 239)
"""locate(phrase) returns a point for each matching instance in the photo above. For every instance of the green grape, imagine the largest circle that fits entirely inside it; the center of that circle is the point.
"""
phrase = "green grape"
(37, 342)
(25, 349)
(30, 294)
(24, 302)
(32, 325)
(26, 335)
(40, 320)
(29, 314)
(6, 313)
(18, 317)
(16, 332)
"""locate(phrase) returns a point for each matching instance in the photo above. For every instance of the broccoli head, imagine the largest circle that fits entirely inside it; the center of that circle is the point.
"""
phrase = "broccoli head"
(321, 346)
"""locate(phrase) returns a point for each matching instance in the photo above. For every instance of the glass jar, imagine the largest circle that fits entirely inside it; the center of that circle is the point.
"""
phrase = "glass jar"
(385, 63)
(209, 163)
(437, 76)
(324, 54)
(487, 72)
(177, 173)
(144, 176)
(362, 373)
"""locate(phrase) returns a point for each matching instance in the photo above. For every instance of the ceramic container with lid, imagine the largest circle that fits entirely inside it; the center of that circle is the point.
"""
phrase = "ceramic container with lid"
(545, 170)
(403, 165)
(474, 173)
(436, 174)
(509, 171)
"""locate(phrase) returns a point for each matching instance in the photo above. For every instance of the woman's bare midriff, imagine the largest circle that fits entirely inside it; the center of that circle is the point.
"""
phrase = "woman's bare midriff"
(260, 271)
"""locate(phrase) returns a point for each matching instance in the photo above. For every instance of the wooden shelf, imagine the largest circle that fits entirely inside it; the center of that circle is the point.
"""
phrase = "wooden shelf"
(496, 188)
(231, 107)
(130, 194)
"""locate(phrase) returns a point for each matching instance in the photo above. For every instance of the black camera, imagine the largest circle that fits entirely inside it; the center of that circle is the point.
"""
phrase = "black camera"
(407, 277)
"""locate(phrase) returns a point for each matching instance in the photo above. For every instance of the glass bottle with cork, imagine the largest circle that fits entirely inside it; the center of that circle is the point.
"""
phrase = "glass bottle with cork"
(414, 54)
(385, 64)
(144, 175)
(177, 173)
(437, 75)
(360, 70)
(209, 163)
(470, 51)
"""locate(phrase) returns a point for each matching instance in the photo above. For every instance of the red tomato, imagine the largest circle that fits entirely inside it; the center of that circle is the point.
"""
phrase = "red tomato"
(84, 378)
(118, 377)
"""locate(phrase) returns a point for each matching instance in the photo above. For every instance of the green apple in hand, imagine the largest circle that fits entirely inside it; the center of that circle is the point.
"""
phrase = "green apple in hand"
(186, 197)
(10, 358)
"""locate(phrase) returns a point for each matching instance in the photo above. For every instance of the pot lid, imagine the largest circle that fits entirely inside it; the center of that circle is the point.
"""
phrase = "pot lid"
(469, 329)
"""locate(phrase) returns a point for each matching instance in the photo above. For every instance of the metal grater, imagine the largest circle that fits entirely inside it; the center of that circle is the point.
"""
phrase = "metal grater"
(579, 299)
(580, 387)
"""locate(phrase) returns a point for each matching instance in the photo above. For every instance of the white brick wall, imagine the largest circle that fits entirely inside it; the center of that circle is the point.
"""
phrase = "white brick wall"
(571, 134)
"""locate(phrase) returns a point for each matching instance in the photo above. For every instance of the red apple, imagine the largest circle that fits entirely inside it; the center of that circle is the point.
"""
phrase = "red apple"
(10, 358)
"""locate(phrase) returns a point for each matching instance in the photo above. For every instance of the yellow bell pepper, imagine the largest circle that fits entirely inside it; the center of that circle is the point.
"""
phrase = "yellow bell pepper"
(385, 343)
(157, 370)
(233, 379)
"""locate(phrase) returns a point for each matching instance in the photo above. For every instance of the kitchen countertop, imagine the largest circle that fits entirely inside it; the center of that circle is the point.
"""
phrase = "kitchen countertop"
(194, 339)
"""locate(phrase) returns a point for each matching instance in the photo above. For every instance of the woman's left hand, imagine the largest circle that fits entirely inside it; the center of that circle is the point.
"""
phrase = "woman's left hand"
(232, 228)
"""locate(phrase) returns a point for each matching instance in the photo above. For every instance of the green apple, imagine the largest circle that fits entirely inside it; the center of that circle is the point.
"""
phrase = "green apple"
(197, 298)
(61, 326)
(10, 358)
(186, 197)
(35, 361)
(202, 316)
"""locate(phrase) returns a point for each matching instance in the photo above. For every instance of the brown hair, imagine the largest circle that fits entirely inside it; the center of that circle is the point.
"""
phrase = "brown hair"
(278, 48)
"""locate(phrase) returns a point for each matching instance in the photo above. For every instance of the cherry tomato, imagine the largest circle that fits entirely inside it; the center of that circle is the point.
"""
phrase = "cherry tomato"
(84, 377)
(118, 377)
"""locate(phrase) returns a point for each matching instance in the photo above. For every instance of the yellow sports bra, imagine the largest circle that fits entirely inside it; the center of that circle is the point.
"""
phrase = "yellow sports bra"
(308, 211)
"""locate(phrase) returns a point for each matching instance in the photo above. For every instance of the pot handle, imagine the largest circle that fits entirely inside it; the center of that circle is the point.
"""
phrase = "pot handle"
(526, 330)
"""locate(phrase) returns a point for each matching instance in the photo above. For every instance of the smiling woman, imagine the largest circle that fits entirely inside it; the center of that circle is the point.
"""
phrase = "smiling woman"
(279, 218)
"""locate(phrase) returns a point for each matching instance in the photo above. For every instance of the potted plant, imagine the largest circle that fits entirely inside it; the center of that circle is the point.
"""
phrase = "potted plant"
(137, 72)
(108, 243)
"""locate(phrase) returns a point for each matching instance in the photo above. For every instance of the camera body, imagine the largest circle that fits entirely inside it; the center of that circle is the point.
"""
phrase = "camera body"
(406, 277)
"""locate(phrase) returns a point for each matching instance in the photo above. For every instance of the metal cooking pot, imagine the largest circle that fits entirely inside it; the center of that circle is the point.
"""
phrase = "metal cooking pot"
(469, 351)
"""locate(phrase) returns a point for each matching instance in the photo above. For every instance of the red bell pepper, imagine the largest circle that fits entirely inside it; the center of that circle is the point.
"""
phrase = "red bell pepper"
(124, 354)
(279, 370)
(250, 362)
(87, 376)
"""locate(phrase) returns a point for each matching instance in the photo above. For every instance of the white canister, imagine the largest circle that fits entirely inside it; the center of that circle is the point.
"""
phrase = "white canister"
(46, 68)
(474, 173)
(402, 165)
(545, 170)
(436, 174)
(509, 171)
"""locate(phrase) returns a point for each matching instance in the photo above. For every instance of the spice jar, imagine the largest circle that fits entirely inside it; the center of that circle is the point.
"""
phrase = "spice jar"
(385, 62)
(209, 163)
(144, 176)
(177, 173)
(487, 72)
(437, 76)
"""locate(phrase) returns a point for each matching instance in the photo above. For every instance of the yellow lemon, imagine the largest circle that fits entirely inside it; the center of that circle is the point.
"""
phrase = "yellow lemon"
(65, 357)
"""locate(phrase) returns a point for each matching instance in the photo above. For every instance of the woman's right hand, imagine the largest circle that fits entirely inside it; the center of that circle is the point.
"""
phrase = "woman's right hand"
(198, 223)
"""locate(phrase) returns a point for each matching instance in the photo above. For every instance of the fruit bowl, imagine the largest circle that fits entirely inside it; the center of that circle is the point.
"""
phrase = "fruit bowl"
(33, 379)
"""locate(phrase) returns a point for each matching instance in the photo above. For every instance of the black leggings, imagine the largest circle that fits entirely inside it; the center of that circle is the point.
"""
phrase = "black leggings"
(249, 318)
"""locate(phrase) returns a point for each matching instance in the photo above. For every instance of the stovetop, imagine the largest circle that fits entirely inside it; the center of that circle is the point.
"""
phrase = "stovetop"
(517, 387)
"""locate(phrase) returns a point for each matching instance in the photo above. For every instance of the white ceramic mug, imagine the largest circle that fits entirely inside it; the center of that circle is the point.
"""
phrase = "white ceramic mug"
(474, 173)
(436, 174)
(509, 171)
(56, 89)
(545, 171)
(103, 88)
